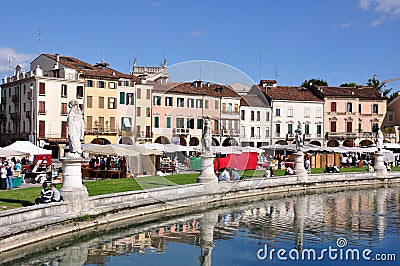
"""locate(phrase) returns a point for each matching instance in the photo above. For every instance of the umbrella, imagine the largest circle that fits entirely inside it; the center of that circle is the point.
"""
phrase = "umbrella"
(111, 150)
(140, 149)
(249, 149)
(9, 153)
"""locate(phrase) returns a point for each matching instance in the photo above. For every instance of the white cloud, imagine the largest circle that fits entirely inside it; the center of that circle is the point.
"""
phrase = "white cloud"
(198, 33)
(376, 23)
(365, 4)
(156, 4)
(384, 7)
(344, 26)
(6, 53)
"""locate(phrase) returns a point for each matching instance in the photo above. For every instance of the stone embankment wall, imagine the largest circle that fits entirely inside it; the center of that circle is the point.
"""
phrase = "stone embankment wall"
(27, 225)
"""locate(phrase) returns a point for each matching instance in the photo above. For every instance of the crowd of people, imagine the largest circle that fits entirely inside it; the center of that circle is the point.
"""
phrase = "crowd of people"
(109, 162)
(7, 169)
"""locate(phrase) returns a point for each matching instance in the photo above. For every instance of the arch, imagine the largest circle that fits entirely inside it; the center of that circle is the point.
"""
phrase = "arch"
(194, 141)
(332, 143)
(126, 140)
(281, 142)
(348, 143)
(316, 143)
(215, 142)
(162, 140)
(230, 142)
(366, 142)
(182, 140)
(101, 141)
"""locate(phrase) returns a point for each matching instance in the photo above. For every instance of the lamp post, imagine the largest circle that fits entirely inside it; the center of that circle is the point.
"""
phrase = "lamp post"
(32, 136)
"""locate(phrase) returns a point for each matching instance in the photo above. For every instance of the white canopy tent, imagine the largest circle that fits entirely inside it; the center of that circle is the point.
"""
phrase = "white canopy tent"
(27, 147)
(10, 153)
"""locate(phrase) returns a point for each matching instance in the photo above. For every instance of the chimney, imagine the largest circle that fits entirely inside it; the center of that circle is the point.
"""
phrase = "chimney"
(267, 83)
(197, 83)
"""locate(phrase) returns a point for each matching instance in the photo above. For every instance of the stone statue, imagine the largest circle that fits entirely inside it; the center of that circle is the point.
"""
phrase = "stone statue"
(206, 141)
(299, 137)
(75, 128)
(379, 139)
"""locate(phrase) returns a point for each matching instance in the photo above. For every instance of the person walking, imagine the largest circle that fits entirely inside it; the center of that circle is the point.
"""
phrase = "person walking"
(10, 173)
(3, 184)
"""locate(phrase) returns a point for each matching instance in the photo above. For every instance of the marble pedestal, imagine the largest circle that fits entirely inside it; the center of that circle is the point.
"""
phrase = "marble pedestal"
(299, 169)
(207, 176)
(379, 166)
(72, 189)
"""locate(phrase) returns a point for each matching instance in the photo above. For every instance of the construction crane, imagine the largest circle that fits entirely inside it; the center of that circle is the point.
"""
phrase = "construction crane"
(386, 81)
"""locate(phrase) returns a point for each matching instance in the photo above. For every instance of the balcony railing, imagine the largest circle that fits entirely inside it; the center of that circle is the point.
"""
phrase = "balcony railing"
(289, 136)
(180, 131)
(230, 132)
(100, 130)
(342, 134)
(144, 135)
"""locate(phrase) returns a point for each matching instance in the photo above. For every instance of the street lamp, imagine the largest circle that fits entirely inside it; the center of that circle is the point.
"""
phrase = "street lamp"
(32, 136)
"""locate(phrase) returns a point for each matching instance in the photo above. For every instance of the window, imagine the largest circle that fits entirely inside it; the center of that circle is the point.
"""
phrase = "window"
(216, 105)
(190, 103)
(89, 100)
(252, 115)
(307, 129)
(111, 85)
(199, 123)
(224, 107)
(168, 122)
(277, 112)
(391, 118)
(242, 114)
(199, 103)
(206, 104)
(63, 129)
(190, 123)
(64, 109)
(319, 129)
(359, 108)
(101, 84)
(236, 108)
(139, 93)
(333, 107)
(111, 103)
(138, 111)
(290, 129)
(258, 132)
(258, 116)
(180, 123)
(42, 88)
(63, 90)
(252, 132)
(349, 126)
(359, 127)
(319, 112)
(112, 124)
(278, 128)
(374, 108)
(42, 107)
(126, 123)
(101, 102)
(148, 112)
(156, 122)
(267, 132)
(375, 127)
(306, 112)
(230, 106)
(267, 116)
(180, 102)
(121, 97)
(333, 126)
(349, 107)
(130, 100)
(89, 122)
(157, 100)
(148, 94)
(42, 129)
(79, 91)
(168, 101)
(89, 83)
(290, 112)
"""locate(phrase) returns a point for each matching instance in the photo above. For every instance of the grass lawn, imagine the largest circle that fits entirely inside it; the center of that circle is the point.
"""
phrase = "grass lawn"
(26, 196)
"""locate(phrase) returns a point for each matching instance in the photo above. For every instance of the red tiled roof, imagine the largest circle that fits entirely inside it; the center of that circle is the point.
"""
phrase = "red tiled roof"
(290, 93)
(189, 88)
(349, 92)
(91, 70)
(252, 100)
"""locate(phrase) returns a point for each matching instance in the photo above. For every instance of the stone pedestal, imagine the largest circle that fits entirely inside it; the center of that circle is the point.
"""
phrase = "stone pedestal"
(299, 169)
(72, 189)
(207, 175)
(379, 166)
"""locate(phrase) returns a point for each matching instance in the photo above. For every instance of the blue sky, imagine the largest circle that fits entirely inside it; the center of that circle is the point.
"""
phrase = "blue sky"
(339, 41)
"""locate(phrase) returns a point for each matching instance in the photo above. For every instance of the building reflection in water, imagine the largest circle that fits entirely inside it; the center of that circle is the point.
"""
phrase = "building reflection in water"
(296, 221)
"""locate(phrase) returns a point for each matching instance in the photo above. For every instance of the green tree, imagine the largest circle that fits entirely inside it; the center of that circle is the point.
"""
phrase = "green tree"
(350, 84)
(316, 82)
(374, 83)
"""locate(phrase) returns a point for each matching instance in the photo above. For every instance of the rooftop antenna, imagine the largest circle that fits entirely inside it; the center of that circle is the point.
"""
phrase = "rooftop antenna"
(39, 40)
(276, 73)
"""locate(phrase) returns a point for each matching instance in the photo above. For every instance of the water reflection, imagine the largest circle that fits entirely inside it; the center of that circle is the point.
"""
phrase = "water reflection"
(366, 218)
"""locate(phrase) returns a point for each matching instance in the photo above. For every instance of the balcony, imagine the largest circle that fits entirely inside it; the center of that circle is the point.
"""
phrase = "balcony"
(16, 116)
(180, 131)
(144, 135)
(307, 136)
(341, 135)
(15, 98)
(255, 137)
(101, 130)
(230, 132)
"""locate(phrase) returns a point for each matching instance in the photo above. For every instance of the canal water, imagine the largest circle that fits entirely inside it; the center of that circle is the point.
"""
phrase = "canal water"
(349, 227)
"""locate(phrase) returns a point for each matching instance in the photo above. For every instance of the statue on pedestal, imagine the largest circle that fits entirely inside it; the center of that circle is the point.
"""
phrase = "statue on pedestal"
(379, 139)
(299, 137)
(206, 140)
(75, 128)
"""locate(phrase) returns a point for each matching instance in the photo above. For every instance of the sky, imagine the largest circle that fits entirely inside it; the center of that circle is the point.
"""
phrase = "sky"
(290, 41)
